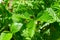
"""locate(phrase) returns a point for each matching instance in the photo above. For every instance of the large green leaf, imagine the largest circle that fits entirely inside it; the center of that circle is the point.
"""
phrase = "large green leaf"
(45, 17)
(48, 16)
(5, 36)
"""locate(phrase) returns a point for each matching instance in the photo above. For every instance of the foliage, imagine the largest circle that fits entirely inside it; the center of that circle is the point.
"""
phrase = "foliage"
(30, 20)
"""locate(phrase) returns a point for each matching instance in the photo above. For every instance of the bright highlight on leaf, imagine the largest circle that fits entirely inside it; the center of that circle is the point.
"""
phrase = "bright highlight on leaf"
(0, 1)
(15, 27)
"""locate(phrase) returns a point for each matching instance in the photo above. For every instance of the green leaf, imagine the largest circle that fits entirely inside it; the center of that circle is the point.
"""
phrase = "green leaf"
(29, 32)
(5, 36)
(15, 27)
(52, 13)
(45, 17)
(48, 16)
(16, 17)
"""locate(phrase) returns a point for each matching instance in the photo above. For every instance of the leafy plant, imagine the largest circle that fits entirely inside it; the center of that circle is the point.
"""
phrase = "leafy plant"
(30, 20)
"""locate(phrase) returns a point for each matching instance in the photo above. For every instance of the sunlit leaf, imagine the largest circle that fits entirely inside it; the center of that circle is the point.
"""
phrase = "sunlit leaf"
(15, 27)
(5, 36)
